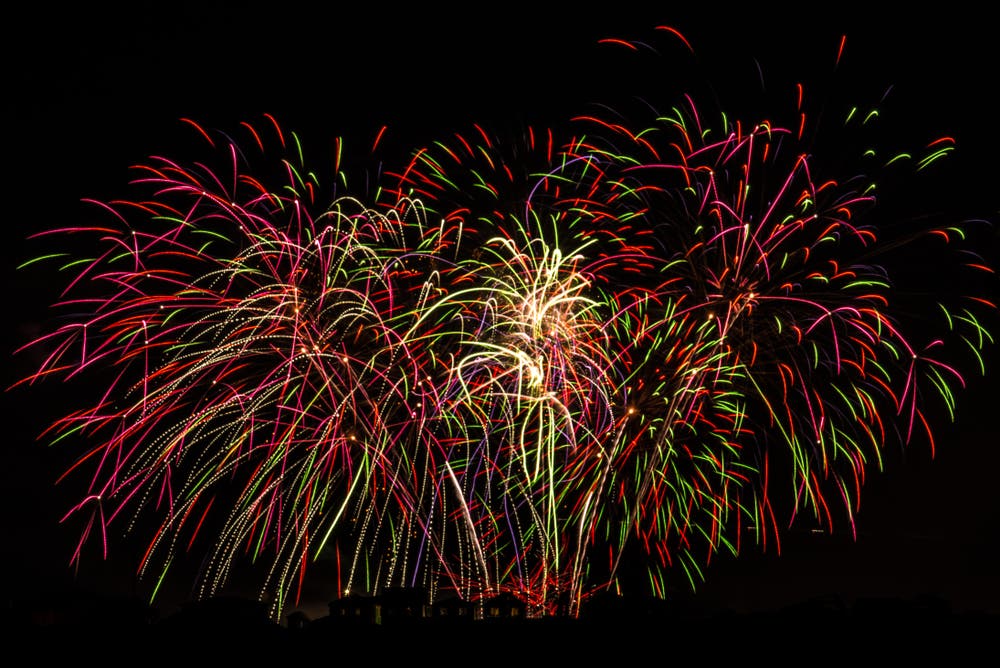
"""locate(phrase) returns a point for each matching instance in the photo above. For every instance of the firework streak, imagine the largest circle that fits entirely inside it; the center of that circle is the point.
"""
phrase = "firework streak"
(517, 367)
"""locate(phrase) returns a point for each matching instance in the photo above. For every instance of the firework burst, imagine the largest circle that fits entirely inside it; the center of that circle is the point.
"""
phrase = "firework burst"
(521, 364)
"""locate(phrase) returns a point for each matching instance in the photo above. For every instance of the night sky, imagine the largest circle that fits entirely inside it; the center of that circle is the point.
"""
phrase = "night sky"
(87, 94)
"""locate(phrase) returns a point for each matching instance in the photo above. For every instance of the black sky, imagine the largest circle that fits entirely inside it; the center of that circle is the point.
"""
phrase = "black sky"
(90, 92)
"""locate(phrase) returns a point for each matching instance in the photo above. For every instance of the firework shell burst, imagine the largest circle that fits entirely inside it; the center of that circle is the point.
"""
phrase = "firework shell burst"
(520, 364)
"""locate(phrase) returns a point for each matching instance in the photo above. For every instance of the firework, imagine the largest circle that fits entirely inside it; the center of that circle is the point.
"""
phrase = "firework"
(518, 365)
